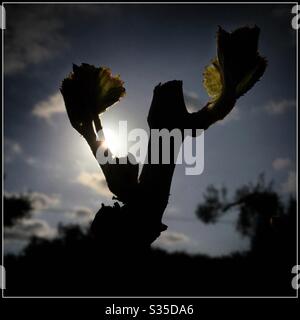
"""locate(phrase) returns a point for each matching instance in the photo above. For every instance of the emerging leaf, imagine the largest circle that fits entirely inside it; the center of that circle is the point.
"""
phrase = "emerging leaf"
(89, 91)
(213, 81)
(238, 65)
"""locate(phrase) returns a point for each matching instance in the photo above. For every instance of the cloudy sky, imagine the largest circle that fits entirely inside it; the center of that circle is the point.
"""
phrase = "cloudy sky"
(146, 44)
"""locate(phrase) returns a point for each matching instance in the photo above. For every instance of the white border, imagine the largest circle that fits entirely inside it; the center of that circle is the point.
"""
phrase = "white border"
(152, 297)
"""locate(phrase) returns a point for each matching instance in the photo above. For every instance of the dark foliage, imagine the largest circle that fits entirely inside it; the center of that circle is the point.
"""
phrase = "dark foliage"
(15, 209)
(73, 264)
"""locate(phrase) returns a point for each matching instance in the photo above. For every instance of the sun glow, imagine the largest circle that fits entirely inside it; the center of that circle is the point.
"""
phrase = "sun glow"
(113, 142)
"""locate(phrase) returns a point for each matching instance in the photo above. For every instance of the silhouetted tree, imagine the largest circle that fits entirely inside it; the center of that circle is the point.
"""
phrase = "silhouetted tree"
(16, 208)
(262, 214)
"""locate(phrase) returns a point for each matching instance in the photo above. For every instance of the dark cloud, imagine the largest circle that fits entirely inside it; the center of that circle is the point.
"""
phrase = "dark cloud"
(12, 149)
(35, 33)
(29, 228)
(172, 238)
(94, 181)
(280, 106)
(289, 186)
(81, 215)
(39, 201)
(47, 108)
(281, 163)
(42, 201)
